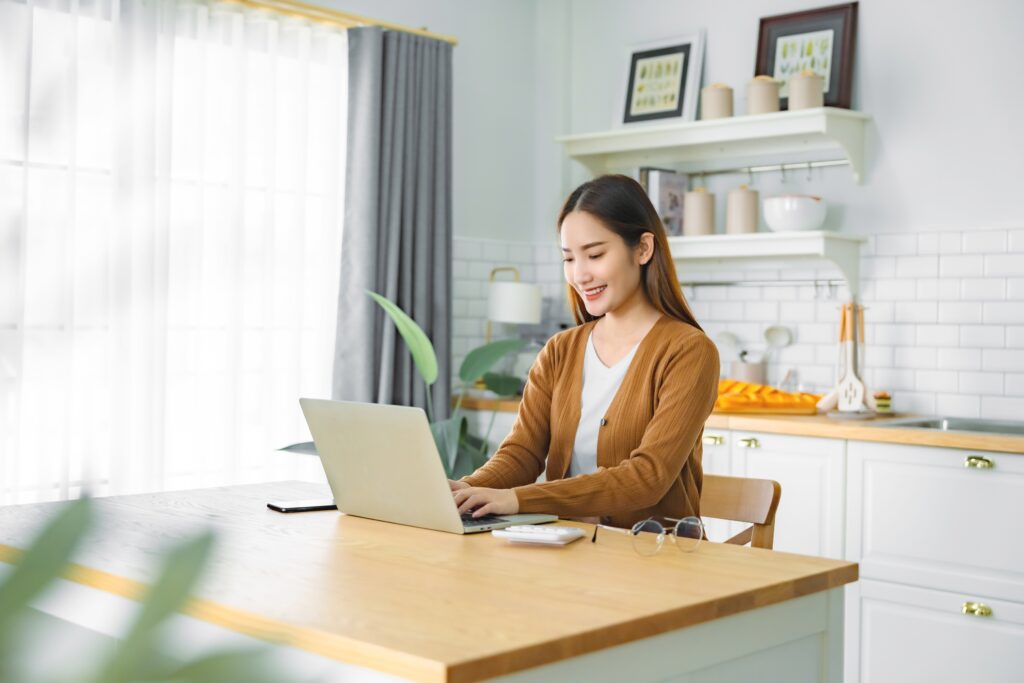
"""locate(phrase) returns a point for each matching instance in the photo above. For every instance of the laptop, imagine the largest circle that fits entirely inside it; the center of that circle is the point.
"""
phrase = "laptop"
(382, 463)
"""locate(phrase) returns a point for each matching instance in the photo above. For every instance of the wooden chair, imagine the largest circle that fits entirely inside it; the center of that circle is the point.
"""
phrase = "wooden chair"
(741, 499)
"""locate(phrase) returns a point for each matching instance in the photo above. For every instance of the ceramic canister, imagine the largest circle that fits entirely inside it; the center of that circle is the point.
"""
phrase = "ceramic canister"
(699, 212)
(762, 95)
(806, 90)
(741, 211)
(716, 101)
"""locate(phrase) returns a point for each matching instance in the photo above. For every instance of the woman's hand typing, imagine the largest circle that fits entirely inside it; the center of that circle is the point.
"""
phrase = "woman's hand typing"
(486, 501)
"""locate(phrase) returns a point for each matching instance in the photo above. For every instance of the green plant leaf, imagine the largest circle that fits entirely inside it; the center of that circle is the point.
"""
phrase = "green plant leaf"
(448, 434)
(419, 344)
(482, 358)
(503, 385)
(45, 559)
(178, 575)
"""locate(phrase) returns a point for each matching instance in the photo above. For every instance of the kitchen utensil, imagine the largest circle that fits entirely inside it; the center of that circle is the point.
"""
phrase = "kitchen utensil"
(806, 90)
(698, 212)
(777, 337)
(794, 212)
(762, 95)
(753, 373)
(741, 211)
(851, 388)
(727, 343)
(716, 101)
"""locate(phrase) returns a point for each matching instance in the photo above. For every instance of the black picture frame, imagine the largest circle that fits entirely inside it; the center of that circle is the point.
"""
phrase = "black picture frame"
(679, 81)
(838, 70)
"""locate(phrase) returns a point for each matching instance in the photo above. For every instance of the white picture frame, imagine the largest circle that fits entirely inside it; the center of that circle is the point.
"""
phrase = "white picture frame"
(659, 107)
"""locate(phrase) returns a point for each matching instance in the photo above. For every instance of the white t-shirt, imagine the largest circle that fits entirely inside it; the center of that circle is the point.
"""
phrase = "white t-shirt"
(600, 384)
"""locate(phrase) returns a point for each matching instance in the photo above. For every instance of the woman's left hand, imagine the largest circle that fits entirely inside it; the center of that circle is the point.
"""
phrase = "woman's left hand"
(486, 501)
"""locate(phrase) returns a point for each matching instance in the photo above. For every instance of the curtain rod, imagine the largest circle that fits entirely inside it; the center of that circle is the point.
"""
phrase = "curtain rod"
(338, 18)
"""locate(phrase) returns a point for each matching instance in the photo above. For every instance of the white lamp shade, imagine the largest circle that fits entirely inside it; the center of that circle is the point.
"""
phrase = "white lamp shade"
(514, 302)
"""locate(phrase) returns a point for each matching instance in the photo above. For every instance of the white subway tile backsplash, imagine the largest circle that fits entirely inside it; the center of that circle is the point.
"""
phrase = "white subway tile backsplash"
(944, 314)
(983, 289)
(1015, 336)
(1007, 360)
(878, 266)
(896, 334)
(917, 312)
(961, 266)
(895, 244)
(797, 312)
(1009, 265)
(955, 312)
(914, 402)
(959, 359)
(984, 241)
(949, 242)
(918, 358)
(1003, 312)
(990, 383)
(466, 249)
(1015, 384)
(991, 336)
(1016, 241)
(928, 243)
(895, 289)
(1002, 408)
(891, 379)
(763, 311)
(917, 266)
(958, 405)
(938, 289)
(936, 380)
(938, 335)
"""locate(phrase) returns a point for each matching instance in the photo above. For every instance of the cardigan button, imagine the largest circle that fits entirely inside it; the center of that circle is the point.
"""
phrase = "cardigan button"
(603, 422)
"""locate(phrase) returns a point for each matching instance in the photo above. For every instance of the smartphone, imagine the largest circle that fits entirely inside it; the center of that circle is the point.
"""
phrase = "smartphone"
(302, 505)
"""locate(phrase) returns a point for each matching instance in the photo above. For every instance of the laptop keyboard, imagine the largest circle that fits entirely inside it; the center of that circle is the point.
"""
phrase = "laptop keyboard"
(468, 521)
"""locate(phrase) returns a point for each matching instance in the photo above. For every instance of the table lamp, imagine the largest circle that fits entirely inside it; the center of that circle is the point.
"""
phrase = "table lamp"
(512, 301)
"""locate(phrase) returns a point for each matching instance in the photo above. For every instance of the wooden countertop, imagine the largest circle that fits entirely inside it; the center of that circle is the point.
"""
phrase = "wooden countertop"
(422, 604)
(827, 427)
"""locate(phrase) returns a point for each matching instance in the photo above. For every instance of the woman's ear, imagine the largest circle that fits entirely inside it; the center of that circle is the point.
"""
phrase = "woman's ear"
(645, 250)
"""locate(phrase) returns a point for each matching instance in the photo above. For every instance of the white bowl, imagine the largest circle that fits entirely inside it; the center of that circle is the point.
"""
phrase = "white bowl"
(794, 212)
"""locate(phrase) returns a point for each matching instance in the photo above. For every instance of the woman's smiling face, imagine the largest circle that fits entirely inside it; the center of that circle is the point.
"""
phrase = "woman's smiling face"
(599, 264)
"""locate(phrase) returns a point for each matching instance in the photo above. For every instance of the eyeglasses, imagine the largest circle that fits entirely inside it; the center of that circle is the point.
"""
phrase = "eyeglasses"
(649, 535)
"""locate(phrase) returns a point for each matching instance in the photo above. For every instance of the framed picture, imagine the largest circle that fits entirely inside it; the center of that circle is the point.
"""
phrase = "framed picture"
(662, 80)
(820, 39)
(667, 190)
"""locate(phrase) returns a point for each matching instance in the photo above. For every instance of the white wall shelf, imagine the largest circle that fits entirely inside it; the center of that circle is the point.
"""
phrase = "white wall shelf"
(824, 133)
(780, 250)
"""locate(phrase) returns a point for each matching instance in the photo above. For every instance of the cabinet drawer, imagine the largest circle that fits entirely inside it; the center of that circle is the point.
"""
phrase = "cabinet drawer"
(918, 516)
(914, 634)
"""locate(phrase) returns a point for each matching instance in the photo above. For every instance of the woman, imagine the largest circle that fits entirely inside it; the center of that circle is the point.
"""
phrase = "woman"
(614, 409)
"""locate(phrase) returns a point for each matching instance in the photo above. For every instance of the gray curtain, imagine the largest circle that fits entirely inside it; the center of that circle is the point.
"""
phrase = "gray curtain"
(397, 238)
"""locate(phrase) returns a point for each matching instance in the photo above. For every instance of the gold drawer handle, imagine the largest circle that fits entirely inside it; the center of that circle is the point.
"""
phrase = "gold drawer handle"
(978, 462)
(977, 609)
(713, 439)
(750, 442)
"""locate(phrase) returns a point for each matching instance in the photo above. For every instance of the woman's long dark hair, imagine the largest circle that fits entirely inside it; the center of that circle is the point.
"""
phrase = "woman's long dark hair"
(622, 205)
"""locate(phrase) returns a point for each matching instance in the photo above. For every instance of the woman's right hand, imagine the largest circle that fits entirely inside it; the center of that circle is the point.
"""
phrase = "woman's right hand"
(456, 485)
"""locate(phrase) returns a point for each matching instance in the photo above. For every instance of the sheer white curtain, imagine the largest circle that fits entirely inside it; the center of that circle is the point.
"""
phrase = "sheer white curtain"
(171, 193)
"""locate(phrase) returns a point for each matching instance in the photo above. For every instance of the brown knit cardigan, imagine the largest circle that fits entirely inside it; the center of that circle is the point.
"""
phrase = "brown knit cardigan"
(649, 449)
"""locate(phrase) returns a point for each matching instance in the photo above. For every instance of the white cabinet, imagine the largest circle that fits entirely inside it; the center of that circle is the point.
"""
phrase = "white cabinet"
(717, 459)
(937, 533)
(810, 518)
(944, 518)
(916, 634)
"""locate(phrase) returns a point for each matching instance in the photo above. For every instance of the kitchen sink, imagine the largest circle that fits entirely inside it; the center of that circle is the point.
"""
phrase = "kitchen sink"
(958, 424)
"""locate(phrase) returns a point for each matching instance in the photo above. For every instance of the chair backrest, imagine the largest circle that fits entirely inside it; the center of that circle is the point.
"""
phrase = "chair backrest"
(741, 499)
